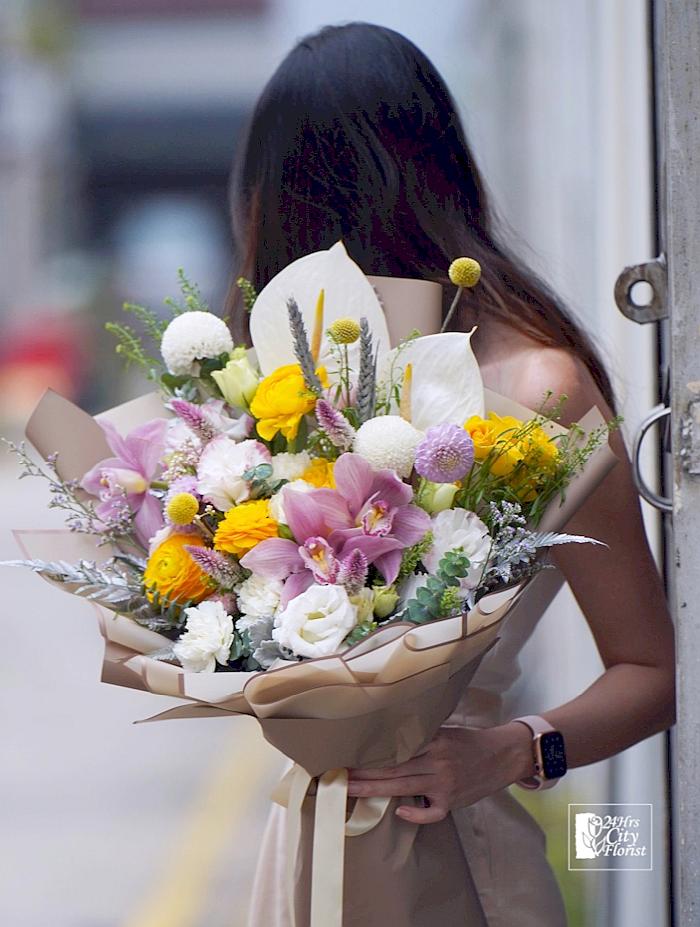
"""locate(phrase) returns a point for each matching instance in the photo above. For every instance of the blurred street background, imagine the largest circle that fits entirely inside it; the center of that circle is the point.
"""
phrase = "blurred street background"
(118, 124)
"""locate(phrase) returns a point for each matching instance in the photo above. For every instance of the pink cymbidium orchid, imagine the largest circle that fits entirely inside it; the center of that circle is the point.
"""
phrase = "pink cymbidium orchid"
(369, 511)
(125, 479)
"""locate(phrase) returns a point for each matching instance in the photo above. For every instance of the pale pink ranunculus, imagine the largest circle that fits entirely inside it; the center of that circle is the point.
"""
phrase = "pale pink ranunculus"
(221, 468)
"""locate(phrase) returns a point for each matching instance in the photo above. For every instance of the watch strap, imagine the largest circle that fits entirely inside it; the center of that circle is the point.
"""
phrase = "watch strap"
(537, 725)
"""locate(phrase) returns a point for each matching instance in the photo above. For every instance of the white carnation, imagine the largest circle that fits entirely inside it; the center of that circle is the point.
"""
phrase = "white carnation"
(289, 466)
(207, 639)
(257, 598)
(221, 468)
(388, 441)
(277, 501)
(194, 336)
(457, 528)
(316, 622)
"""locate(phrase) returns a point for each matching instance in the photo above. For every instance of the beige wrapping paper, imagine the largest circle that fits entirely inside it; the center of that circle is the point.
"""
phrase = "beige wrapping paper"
(377, 704)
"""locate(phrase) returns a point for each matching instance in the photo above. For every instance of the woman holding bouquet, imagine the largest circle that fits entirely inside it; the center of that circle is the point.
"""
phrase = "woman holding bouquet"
(356, 138)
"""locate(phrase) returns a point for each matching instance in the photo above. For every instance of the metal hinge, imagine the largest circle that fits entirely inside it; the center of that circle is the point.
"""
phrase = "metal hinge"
(655, 274)
(690, 439)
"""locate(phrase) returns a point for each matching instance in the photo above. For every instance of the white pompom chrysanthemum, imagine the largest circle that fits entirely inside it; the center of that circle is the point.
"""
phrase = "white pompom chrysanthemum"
(194, 336)
(388, 441)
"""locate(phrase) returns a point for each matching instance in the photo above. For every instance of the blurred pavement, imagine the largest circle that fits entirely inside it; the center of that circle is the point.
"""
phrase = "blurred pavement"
(106, 823)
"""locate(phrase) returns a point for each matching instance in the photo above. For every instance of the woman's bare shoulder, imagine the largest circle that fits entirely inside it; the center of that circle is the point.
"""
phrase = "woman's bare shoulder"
(527, 372)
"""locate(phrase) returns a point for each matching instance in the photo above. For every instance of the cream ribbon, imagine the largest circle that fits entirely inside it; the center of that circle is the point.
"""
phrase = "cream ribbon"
(330, 831)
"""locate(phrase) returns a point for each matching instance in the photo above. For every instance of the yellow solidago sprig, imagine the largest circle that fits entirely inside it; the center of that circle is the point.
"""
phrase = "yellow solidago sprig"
(320, 473)
(244, 526)
(465, 273)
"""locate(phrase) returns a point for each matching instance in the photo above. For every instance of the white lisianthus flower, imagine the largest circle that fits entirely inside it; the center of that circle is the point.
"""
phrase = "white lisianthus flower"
(221, 468)
(316, 623)
(277, 501)
(388, 441)
(457, 528)
(207, 639)
(289, 466)
(194, 336)
(257, 598)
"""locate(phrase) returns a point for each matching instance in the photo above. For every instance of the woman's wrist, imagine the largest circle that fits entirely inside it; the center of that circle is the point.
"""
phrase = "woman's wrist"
(518, 757)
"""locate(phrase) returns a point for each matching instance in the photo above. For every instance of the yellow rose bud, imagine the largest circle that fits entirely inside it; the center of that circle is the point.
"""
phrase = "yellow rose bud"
(385, 599)
(237, 382)
(282, 400)
(465, 271)
(173, 574)
(344, 331)
(182, 508)
(244, 526)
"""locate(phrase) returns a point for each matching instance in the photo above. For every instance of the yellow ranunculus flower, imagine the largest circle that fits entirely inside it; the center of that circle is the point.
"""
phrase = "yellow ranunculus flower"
(244, 526)
(320, 473)
(173, 574)
(282, 400)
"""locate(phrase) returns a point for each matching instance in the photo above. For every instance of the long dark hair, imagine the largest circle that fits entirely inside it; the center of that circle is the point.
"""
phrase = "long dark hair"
(356, 136)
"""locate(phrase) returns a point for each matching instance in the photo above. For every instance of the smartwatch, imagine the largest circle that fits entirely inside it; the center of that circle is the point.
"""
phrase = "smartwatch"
(549, 753)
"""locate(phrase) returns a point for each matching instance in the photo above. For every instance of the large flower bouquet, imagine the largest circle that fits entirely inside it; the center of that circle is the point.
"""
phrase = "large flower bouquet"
(291, 500)
(314, 522)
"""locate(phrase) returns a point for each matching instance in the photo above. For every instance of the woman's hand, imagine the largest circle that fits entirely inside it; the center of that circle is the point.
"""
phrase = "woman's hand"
(460, 766)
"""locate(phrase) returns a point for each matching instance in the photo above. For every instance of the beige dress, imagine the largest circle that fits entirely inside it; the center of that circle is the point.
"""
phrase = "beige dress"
(502, 842)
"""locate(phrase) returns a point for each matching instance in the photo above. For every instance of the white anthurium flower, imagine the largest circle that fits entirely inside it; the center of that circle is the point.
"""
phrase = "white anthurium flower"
(348, 294)
(446, 384)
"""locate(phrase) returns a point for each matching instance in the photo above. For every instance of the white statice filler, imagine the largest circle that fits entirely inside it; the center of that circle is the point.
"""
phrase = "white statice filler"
(191, 337)
(221, 468)
(315, 623)
(458, 529)
(257, 598)
(207, 639)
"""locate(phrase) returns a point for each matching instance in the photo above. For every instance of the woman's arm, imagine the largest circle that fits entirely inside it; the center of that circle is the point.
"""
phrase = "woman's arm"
(621, 595)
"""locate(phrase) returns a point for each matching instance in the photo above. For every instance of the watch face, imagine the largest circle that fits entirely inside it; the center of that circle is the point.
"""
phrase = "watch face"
(553, 755)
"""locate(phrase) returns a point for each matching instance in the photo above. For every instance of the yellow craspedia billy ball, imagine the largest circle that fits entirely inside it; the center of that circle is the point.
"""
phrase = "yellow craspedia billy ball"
(173, 574)
(182, 508)
(344, 331)
(465, 271)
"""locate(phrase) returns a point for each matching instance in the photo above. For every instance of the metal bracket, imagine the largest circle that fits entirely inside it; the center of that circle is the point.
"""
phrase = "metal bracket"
(653, 273)
(653, 498)
(690, 439)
